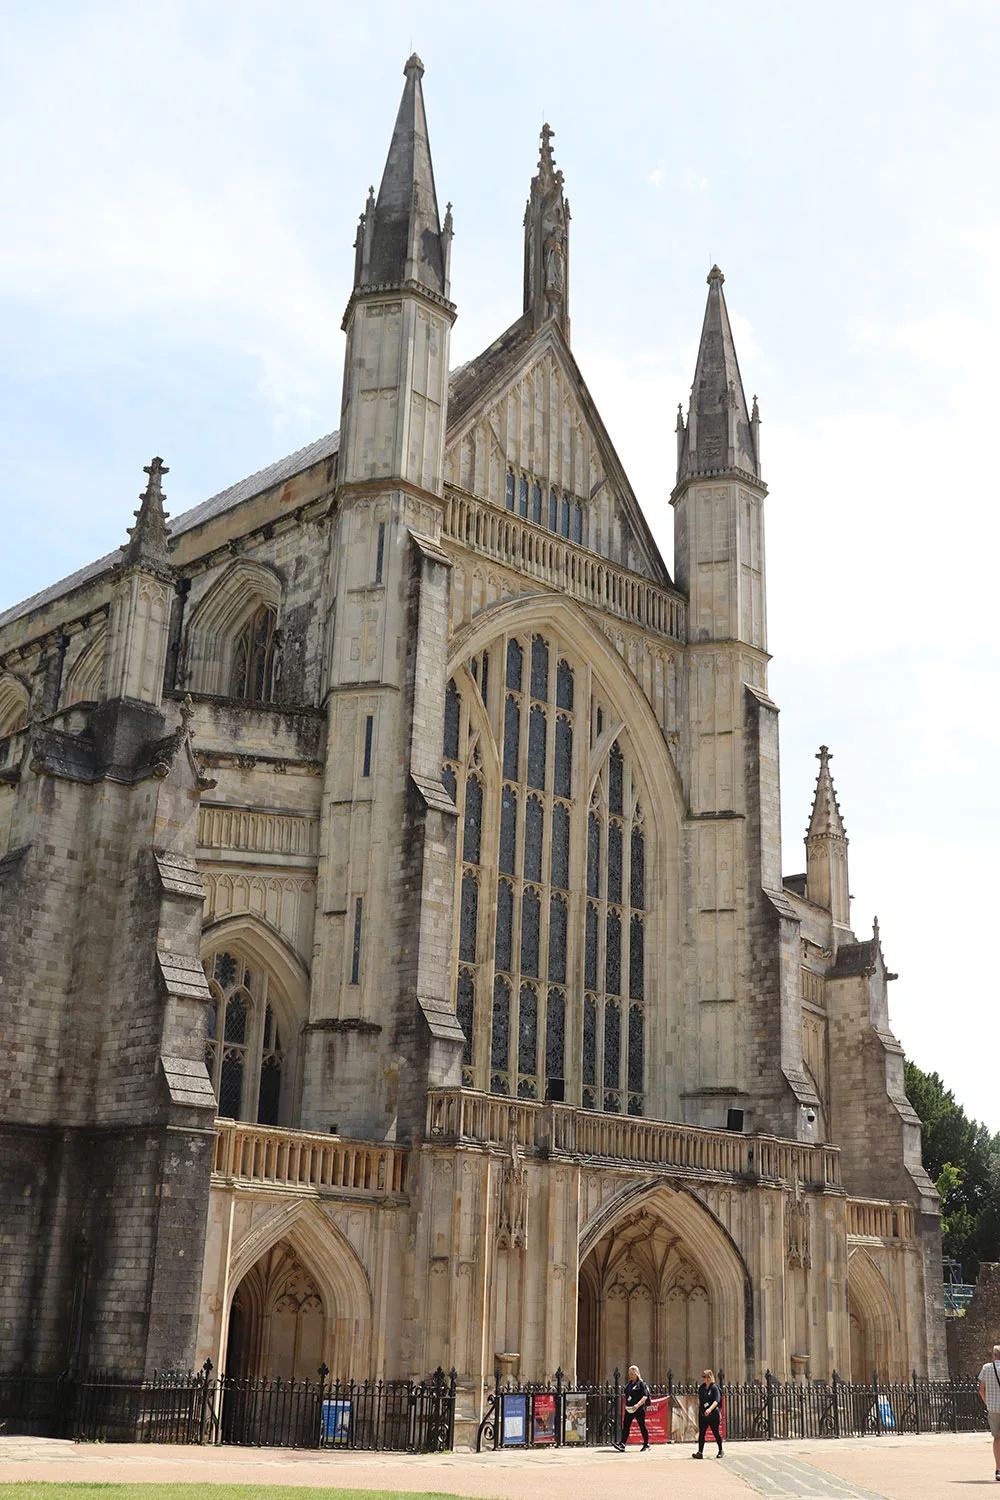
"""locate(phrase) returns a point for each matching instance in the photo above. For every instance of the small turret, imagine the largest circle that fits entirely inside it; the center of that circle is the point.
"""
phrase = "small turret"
(142, 595)
(721, 436)
(826, 848)
(546, 243)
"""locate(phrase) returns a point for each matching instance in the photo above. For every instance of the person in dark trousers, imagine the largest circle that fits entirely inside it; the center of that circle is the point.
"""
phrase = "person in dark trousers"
(637, 1398)
(709, 1412)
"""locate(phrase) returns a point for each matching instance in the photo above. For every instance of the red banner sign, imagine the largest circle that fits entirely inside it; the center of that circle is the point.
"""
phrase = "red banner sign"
(657, 1414)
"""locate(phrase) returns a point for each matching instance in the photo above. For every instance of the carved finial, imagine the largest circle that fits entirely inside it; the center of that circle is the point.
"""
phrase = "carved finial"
(413, 65)
(449, 224)
(733, 400)
(824, 756)
(875, 936)
(680, 417)
(755, 413)
(148, 543)
(370, 205)
(715, 275)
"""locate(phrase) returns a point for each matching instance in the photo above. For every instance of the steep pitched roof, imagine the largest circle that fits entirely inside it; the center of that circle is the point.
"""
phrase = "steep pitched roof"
(481, 382)
(225, 500)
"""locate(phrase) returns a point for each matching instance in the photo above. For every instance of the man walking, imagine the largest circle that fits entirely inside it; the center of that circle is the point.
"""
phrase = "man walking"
(989, 1392)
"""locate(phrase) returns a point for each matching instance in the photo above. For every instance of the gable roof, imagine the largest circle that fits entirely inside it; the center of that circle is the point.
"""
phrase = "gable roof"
(479, 383)
(225, 500)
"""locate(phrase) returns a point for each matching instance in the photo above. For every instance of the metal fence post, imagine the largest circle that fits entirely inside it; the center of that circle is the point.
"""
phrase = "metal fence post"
(769, 1389)
(916, 1403)
(452, 1386)
(878, 1409)
(498, 1416)
(836, 1404)
(559, 1407)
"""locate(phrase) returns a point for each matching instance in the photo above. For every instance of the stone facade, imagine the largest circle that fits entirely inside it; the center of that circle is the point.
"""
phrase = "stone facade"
(400, 809)
(972, 1336)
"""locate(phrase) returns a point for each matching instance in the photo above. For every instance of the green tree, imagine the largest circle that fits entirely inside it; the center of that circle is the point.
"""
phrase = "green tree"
(964, 1160)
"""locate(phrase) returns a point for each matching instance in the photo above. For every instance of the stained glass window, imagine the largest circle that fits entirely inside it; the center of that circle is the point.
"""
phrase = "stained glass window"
(449, 782)
(616, 779)
(500, 1041)
(534, 817)
(553, 509)
(590, 948)
(243, 1050)
(555, 1035)
(613, 957)
(508, 830)
(511, 737)
(225, 968)
(539, 669)
(564, 685)
(536, 747)
(593, 855)
(510, 489)
(612, 1043)
(589, 1041)
(469, 918)
(638, 883)
(505, 925)
(452, 718)
(563, 771)
(236, 1019)
(484, 676)
(564, 528)
(560, 846)
(524, 496)
(614, 860)
(465, 1002)
(531, 917)
(577, 522)
(515, 660)
(527, 1029)
(557, 939)
(636, 1041)
(472, 835)
(536, 503)
(636, 959)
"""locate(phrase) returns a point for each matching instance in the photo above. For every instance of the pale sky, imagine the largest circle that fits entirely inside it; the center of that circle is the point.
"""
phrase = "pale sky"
(181, 184)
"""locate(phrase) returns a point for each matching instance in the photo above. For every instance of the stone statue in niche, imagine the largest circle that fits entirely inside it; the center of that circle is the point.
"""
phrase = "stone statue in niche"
(554, 251)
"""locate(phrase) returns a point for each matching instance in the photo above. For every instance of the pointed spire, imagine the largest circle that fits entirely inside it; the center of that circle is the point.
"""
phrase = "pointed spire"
(825, 821)
(148, 545)
(826, 848)
(399, 236)
(546, 243)
(720, 433)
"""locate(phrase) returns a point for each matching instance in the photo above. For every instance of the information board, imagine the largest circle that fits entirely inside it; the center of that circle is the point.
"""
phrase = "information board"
(514, 1421)
(543, 1418)
(574, 1419)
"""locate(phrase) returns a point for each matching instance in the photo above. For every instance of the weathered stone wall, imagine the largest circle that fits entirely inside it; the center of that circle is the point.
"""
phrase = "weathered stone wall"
(971, 1337)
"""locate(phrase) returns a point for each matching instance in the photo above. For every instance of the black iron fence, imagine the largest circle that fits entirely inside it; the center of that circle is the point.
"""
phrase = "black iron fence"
(533, 1415)
(401, 1415)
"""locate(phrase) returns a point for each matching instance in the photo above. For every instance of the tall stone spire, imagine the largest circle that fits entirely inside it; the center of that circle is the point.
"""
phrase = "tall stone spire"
(546, 243)
(826, 848)
(148, 545)
(400, 238)
(720, 435)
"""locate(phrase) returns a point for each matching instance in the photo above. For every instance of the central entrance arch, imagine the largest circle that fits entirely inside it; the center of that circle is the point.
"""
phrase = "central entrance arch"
(661, 1286)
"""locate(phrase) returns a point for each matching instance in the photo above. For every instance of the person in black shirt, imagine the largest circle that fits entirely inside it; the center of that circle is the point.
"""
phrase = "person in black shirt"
(709, 1412)
(637, 1398)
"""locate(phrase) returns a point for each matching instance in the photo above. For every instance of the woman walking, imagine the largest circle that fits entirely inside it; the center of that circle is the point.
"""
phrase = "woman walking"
(709, 1412)
(636, 1400)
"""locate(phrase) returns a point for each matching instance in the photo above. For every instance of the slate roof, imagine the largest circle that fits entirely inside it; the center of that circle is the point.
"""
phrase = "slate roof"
(225, 500)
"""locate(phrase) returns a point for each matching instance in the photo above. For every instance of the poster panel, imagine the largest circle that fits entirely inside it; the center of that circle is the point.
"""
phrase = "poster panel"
(543, 1418)
(657, 1422)
(574, 1419)
(336, 1421)
(514, 1421)
(683, 1419)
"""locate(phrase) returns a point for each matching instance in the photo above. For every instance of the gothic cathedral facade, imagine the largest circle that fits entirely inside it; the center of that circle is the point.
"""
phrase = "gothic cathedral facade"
(397, 964)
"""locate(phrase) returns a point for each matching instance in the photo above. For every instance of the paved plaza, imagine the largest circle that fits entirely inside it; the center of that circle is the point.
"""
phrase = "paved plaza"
(895, 1468)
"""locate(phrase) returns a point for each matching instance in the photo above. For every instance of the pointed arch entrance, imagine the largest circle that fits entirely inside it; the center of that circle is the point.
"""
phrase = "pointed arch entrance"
(661, 1286)
(874, 1321)
(277, 1323)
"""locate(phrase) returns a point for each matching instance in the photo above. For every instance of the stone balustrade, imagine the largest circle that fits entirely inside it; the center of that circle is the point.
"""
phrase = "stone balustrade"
(464, 1115)
(257, 832)
(875, 1219)
(520, 544)
(268, 1156)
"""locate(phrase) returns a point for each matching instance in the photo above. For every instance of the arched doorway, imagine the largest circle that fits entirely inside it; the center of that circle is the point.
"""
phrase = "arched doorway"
(277, 1324)
(873, 1319)
(661, 1286)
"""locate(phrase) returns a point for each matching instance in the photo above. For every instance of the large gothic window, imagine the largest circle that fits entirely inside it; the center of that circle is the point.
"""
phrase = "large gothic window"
(252, 675)
(243, 1054)
(550, 973)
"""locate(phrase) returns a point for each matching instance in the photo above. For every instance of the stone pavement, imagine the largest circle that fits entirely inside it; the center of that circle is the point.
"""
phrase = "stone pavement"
(888, 1468)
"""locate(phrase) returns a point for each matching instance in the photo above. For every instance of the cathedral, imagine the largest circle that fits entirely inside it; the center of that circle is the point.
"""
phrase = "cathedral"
(397, 967)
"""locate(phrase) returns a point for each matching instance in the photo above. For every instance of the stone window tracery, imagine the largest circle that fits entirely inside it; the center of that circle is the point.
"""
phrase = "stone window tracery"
(243, 1053)
(252, 675)
(561, 952)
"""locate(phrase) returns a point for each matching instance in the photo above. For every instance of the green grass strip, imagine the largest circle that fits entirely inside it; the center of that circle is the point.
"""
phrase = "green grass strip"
(34, 1489)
